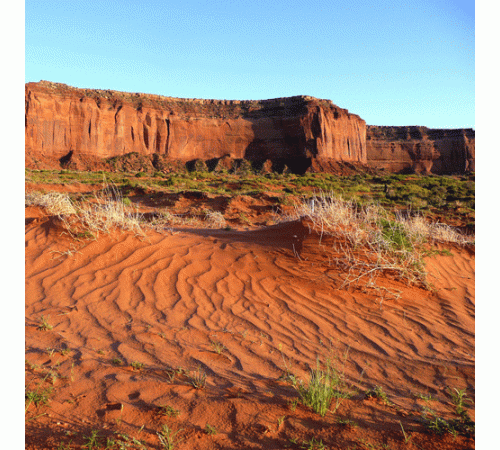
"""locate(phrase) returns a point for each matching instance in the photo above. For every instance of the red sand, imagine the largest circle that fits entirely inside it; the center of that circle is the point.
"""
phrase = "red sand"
(162, 299)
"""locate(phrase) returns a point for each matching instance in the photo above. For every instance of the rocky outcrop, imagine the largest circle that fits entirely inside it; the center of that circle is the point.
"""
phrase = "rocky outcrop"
(420, 149)
(63, 122)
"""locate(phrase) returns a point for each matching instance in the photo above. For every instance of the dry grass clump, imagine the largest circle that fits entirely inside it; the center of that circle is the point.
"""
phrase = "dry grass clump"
(56, 203)
(108, 211)
(215, 219)
(105, 211)
(371, 240)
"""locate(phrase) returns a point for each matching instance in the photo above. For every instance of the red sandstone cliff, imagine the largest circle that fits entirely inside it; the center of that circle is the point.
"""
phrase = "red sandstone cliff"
(420, 149)
(62, 121)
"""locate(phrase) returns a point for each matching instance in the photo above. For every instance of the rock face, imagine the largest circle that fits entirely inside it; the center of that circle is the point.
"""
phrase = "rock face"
(420, 149)
(62, 121)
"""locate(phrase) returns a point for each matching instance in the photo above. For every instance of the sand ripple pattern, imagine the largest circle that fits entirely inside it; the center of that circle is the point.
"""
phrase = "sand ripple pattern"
(162, 300)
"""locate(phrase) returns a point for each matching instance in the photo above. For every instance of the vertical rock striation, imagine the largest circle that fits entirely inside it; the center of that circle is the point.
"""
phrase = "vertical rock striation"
(62, 121)
(420, 149)
(302, 132)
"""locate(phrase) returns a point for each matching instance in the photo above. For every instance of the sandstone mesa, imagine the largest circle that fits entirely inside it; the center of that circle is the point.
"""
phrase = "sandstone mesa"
(303, 132)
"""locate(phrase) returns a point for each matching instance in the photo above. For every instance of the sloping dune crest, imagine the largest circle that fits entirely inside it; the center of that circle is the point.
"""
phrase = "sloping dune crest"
(271, 298)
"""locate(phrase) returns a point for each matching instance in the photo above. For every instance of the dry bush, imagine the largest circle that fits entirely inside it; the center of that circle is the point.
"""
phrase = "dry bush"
(215, 219)
(370, 240)
(56, 203)
(103, 213)
(108, 211)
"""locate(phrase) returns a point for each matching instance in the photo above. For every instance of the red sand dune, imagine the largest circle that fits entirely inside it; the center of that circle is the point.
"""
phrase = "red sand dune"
(273, 300)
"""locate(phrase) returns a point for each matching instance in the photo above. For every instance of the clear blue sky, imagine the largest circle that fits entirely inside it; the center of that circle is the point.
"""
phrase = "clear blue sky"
(391, 62)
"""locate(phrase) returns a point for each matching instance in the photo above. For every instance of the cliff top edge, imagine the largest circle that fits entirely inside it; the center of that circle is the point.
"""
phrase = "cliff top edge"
(65, 88)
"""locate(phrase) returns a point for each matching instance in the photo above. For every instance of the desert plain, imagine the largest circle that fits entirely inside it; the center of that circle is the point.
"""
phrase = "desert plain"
(207, 325)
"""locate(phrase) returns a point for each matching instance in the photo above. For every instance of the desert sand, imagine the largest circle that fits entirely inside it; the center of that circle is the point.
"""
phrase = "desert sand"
(133, 320)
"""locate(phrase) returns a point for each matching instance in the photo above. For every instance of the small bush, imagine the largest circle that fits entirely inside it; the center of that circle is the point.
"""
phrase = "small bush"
(323, 387)
(215, 219)
(376, 241)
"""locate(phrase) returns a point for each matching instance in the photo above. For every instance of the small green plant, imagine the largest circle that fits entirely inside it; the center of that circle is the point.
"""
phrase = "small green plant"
(44, 325)
(323, 387)
(198, 378)
(110, 443)
(116, 361)
(167, 437)
(459, 400)
(313, 444)
(86, 234)
(281, 420)
(346, 422)
(63, 446)
(406, 436)
(210, 429)
(378, 392)
(167, 410)
(37, 397)
(136, 365)
(126, 201)
(244, 218)
(435, 423)
(218, 347)
(424, 397)
(92, 441)
(129, 442)
(293, 404)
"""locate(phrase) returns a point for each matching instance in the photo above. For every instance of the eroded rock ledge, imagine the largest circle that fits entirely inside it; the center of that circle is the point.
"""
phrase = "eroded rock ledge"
(421, 149)
(66, 124)
(62, 121)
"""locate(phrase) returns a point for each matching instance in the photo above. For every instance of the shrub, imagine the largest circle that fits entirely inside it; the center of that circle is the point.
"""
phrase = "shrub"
(375, 240)
(215, 219)
(323, 387)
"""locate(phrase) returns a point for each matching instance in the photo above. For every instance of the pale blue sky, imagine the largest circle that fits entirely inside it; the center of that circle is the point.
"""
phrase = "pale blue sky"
(391, 62)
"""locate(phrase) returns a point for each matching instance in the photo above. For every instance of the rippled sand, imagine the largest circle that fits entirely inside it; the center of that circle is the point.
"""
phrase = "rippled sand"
(272, 298)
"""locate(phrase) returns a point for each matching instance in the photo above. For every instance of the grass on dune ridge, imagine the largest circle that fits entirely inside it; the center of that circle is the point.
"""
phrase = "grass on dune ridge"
(370, 238)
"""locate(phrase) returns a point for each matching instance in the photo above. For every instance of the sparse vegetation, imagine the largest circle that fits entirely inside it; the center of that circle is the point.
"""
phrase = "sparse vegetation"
(373, 238)
(215, 219)
(450, 196)
(92, 441)
(369, 241)
(37, 397)
(461, 425)
(44, 324)
(210, 429)
(198, 378)
(167, 437)
(323, 387)
(459, 400)
(217, 347)
(406, 436)
(313, 444)
(378, 392)
(136, 365)
(167, 410)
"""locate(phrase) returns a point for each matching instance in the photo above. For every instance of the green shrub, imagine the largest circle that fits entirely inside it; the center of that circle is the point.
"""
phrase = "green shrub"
(396, 235)
(323, 387)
